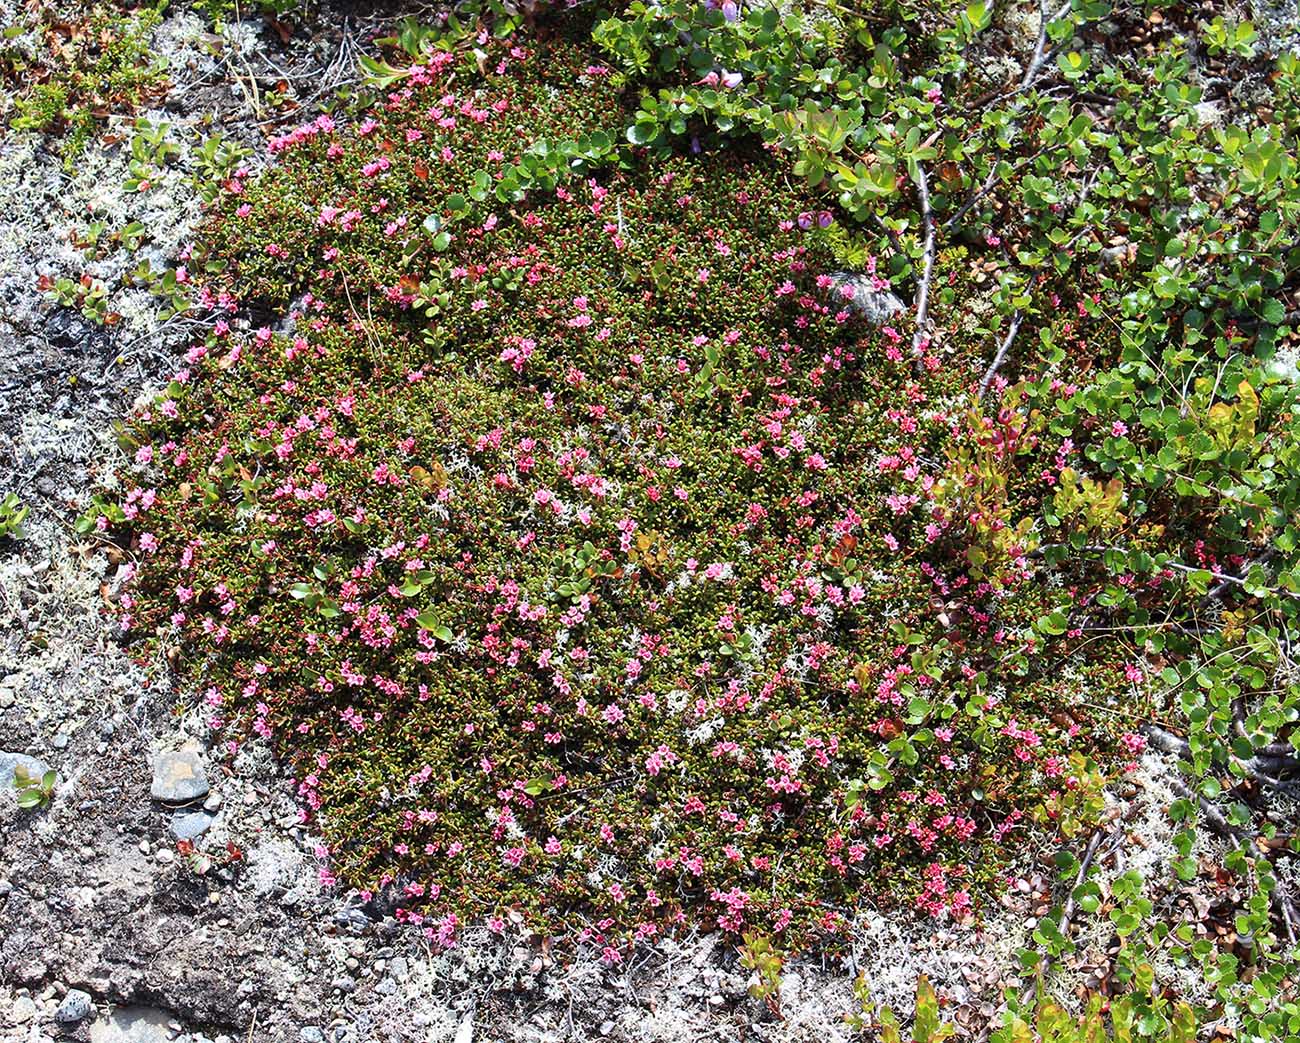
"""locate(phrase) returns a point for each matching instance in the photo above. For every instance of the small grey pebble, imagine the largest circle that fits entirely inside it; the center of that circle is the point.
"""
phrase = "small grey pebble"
(179, 776)
(190, 825)
(75, 1006)
(11, 762)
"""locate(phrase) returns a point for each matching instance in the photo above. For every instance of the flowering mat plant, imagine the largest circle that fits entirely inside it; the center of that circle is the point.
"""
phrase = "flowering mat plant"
(590, 557)
(560, 489)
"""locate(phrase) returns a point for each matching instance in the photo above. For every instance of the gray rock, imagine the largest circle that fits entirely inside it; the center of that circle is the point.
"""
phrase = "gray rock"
(75, 1006)
(179, 776)
(311, 1034)
(10, 762)
(132, 1025)
(876, 306)
(191, 824)
(23, 1010)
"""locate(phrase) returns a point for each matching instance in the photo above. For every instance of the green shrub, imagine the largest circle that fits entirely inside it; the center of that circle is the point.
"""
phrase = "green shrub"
(84, 70)
(13, 512)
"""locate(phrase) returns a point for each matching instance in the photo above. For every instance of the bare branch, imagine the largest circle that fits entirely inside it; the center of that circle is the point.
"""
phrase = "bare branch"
(927, 263)
(1067, 913)
(991, 372)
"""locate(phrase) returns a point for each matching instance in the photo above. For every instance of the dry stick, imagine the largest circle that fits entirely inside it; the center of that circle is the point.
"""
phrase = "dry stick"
(1068, 912)
(1217, 591)
(1031, 70)
(1238, 838)
(991, 372)
(927, 265)
(1177, 566)
(1256, 767)
(1031, 73)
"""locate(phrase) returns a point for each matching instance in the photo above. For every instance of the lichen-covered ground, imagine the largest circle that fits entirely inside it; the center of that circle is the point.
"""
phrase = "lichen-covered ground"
(95, 897)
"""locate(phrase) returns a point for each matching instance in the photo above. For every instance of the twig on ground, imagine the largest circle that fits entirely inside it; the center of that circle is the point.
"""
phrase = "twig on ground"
(1241, 840)
(922, 334)
(1036, 59)
(1067, 913)
(1005, 346)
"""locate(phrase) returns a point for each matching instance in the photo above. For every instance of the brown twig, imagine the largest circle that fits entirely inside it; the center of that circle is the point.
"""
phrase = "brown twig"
(1005, 346)
(927, 265)
(1067, 913)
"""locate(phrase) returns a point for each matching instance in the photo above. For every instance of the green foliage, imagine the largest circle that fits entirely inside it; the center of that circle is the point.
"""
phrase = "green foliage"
(13, 512)
(34, 793)
(83, 70)
(1101, 519)
(928, 1025)
(221, 11)
(760, 956)
(1129, 1017)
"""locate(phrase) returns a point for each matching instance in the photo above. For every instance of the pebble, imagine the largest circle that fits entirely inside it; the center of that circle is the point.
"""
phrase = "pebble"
(10, 762)
(23, 1010)
(311, 1034)
(165, 856)
(875, 306)
(75, 1006)
(190, 825)
(60, 741)
(179, 776)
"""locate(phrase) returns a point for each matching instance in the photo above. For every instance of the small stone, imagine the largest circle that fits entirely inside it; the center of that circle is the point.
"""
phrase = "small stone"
(23, 1010)
(165, 856)
(876, 306)
(311, 1034)
(190, 825)
(11, 762)
(60, 741)
(75, 1006)
(145, 847)
(6, 698)
(213, 802)
(179, 777)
